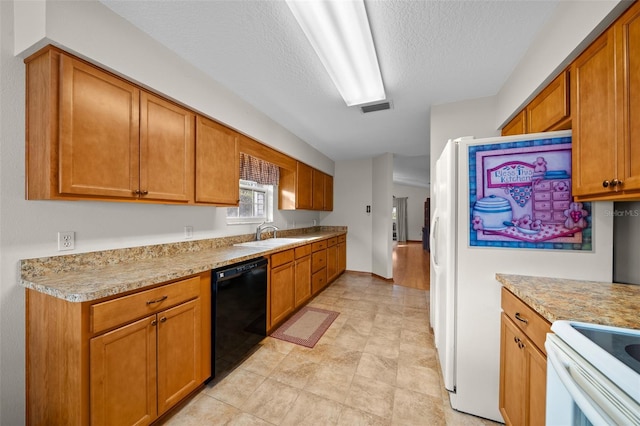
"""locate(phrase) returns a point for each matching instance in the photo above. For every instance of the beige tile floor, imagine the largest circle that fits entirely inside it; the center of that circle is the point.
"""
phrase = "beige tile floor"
(375, 365)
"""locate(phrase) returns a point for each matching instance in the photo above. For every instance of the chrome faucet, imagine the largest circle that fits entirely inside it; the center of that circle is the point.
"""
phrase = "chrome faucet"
(264, 226)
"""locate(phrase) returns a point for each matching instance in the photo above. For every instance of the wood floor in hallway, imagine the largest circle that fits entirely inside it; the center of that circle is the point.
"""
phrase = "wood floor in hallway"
(411, 265)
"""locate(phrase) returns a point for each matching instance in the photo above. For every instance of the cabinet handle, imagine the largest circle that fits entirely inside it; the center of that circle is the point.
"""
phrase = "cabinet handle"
(519, 342)
(616, 182)
(605, 183)
(144, 192)
(521, 319)
(136, 192)
(158, 300)
(154, 323)
(163, 319)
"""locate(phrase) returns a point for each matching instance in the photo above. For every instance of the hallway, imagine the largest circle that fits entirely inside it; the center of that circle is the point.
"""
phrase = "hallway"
(411, 265)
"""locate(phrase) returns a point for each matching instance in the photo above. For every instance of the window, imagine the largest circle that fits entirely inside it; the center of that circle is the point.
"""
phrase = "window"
(256, 204)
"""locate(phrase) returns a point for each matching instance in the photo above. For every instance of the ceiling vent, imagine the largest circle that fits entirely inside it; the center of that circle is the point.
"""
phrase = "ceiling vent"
(376, 107)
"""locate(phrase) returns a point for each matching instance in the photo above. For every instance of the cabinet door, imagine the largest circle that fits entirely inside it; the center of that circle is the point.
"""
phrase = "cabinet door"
(318, 190)
(217, 169)
(179, 353)
(166, 150)
(123, 375)
(550, 109)
(303, 280)
(517, 125)
(328, 193)
(537, 385)
(628, 72)
(342, 257)
(512, 373)
(99, 132)
(593, 116)
(304, 187)
(281, 292)
(332, 263)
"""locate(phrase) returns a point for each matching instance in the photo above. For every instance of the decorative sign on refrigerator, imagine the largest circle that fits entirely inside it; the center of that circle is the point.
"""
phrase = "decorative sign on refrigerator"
(520, 197)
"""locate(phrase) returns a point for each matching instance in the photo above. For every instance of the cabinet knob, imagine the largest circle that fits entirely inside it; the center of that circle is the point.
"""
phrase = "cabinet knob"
(163, 319)
(144, 192)
(136, 192)
(154, 323)
(616, 182)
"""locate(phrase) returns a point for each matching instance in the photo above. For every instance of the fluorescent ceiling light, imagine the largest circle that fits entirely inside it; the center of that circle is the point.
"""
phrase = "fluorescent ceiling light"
(339, 32)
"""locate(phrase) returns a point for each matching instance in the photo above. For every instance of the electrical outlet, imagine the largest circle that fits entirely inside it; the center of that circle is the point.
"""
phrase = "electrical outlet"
(66, 240)
(188, 232)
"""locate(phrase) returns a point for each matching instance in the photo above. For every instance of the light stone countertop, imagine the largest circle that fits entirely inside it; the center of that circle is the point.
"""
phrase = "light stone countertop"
(91, 276)
(596, 302)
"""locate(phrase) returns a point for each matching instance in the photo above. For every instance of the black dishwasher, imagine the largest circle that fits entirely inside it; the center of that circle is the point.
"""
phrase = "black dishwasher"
(239, 312)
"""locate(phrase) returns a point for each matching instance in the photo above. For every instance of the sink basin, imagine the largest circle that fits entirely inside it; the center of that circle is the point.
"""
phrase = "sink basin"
(271, 242)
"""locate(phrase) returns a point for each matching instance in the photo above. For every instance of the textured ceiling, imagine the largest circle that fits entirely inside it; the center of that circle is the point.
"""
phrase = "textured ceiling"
(430, 52)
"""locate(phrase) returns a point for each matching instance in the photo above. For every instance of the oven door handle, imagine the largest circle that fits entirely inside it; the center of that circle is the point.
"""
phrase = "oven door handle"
(582, 400)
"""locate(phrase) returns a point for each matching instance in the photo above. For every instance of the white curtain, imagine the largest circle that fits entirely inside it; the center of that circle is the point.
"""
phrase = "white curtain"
(401, 218)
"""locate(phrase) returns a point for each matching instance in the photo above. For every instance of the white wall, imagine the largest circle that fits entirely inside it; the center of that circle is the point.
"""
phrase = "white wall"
(572, 27)
(352, 193)
(416, 197)
(474, 117)
(28, 228)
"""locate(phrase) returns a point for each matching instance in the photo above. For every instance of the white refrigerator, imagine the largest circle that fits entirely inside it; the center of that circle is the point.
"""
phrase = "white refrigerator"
(503, 205)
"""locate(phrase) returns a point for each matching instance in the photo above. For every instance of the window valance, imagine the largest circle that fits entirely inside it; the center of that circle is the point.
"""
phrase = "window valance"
(258, 170)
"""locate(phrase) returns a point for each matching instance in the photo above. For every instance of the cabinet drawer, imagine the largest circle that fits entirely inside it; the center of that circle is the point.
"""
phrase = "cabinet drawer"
(318, 281)
(332, 241)
(526, 319)
(342, 238)
(303, 251)
(125, 309)
(281, 258)
(318, 261)
(320, 245)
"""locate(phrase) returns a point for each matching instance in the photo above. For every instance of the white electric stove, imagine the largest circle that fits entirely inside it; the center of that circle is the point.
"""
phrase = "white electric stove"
(593, 375)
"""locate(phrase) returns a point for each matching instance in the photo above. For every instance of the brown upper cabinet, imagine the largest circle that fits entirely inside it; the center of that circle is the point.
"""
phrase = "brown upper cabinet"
(217, 170)
(606, 114)
(546, 112)
(328, 193)
(91, 135)
(318, 190)
(550, 109)
(517, 125)
(305, 188)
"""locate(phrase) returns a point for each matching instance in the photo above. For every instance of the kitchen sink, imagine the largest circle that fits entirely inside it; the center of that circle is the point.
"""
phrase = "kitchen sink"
(271, 242)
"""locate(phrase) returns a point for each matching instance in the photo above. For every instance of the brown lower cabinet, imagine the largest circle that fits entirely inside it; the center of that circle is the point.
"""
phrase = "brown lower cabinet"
(118, 361)
(281, 286)
(298, 274)
(523, 363)
(303, 274)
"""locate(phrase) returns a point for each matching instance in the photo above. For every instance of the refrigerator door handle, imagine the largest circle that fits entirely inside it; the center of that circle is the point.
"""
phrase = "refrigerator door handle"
(434, 240)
